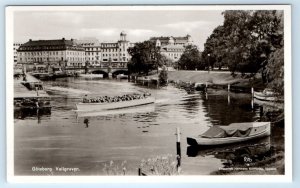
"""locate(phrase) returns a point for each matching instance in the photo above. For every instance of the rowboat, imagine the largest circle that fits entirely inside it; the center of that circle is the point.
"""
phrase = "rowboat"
(267, 95)
(114, 105)
(233, 133)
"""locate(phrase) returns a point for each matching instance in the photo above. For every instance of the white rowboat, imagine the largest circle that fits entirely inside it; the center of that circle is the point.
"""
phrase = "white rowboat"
(233, 133)
(114, 105)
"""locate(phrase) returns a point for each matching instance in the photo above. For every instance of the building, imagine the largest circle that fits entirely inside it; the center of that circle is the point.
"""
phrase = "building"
(115, 53)
(16, 47)
(106, 54)
(92, 50)
(172, 47)
(52, 52)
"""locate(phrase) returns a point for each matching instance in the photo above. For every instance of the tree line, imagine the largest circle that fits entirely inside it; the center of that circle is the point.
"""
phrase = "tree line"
(248, 42)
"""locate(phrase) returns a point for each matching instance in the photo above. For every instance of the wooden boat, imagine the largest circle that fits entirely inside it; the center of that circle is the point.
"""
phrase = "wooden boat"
(267, 95)
(233, 133)
(114, 105)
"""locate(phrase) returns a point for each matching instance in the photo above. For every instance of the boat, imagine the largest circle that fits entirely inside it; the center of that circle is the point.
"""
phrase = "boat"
(267, 95)
(113, 105)
(122, 76)
(233, 133)
(200, 86)
(91, 75)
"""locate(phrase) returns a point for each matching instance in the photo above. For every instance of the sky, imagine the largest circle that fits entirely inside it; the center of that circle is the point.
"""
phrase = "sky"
(107, 25)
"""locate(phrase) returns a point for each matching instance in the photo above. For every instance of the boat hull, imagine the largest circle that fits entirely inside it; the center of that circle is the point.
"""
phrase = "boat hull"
(113, 105)
(201, 141)
(264, 97)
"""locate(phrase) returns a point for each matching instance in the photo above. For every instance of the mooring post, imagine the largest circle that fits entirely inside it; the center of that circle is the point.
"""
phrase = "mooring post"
(261, 111)
(228, 98)
(178, 148)
(228, 87)
(252, 92)
(140, 172)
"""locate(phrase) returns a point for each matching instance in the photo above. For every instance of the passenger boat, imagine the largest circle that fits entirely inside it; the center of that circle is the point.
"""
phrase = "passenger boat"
(233, 133)
(114, 105)
(267, 95)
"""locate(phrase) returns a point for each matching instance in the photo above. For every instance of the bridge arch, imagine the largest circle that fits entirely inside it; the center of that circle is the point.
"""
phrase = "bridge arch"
(117, 72)
(105, 74)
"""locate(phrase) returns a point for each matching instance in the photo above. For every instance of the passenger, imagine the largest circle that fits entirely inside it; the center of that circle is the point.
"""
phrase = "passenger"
(85, 99)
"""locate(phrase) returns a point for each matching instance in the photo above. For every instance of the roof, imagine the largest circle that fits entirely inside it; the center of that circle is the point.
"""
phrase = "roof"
(62, 44)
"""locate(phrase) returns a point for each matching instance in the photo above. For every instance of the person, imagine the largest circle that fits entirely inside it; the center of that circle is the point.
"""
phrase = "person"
(86, 122)
(85, 99)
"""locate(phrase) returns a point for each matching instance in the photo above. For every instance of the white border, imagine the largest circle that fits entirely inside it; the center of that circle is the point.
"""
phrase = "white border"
(147, 179)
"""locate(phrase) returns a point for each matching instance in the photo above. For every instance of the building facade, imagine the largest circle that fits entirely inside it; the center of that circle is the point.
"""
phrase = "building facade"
(52, 52)
(16, 47)
(116, 54)
(172, 47)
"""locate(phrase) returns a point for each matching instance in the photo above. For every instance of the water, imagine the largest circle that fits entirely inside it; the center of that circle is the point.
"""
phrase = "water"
(59, 138)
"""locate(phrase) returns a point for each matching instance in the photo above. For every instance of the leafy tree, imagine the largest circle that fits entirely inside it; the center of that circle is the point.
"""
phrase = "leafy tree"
(190, 59)
(145, 57)
(246, 41)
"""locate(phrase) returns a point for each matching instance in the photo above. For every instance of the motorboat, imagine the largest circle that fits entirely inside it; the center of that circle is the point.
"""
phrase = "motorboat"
(233, 133)
(98, 106)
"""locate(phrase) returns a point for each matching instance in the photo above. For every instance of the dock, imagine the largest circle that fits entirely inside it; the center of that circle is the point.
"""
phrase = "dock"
(29, 93)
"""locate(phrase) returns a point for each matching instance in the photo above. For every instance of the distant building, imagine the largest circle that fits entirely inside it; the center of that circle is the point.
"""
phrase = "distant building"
(92, 50)
(172, 47)
(52, 52)
(16, 47)
(104, 54)
(115, 53)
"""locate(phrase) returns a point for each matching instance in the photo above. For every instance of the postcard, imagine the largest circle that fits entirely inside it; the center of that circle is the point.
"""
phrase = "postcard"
(187, 93)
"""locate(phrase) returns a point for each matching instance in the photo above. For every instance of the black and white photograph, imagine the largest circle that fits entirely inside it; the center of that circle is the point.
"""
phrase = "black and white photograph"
(122, 91)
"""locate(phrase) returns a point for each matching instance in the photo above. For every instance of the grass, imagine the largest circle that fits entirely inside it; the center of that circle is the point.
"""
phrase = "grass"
(114, 168)
(160, 165)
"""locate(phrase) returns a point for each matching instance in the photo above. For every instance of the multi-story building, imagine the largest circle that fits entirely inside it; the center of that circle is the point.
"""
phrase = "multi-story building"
(115, 54)
(92, 50)
(172, 47)
(16, 47)
(106, 54)
(52, 52)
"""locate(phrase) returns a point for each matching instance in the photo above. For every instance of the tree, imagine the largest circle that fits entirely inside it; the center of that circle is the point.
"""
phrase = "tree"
(190, 59)
(246, 41)
(145, 57)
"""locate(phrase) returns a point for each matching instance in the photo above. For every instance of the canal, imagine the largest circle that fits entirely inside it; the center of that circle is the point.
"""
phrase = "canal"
(59, 138)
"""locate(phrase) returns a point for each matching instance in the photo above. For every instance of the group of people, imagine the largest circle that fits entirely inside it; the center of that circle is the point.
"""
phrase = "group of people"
(107, 99)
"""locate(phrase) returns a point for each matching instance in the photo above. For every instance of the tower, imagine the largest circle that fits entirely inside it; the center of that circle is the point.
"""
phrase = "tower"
(123, 36)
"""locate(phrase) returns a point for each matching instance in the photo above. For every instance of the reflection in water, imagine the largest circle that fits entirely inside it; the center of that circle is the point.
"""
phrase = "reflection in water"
(226, 109)
(237, 154)
(142, 132)
(32, 113)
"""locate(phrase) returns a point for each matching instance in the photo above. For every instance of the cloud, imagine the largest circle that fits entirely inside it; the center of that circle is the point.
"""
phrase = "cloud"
(186, 26)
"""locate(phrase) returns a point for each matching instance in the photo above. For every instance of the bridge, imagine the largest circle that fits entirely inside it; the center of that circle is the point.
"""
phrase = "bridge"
(105, 70)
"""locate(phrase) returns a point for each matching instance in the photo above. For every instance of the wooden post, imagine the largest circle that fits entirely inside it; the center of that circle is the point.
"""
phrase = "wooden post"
(228, 87)
(228, 99)
(252, 92)
(140, 172)
(261, 111)
(178, 148)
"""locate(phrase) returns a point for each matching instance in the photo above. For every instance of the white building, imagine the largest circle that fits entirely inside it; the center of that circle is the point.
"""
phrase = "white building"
(172, 47)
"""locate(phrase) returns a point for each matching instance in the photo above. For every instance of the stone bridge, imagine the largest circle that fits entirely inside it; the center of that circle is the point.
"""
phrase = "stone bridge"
(106, 71)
